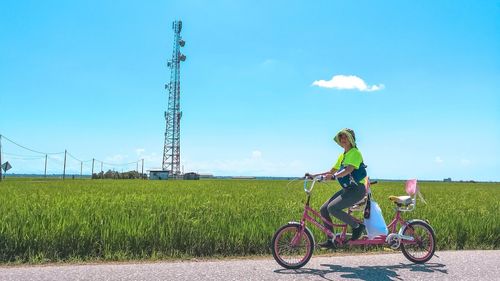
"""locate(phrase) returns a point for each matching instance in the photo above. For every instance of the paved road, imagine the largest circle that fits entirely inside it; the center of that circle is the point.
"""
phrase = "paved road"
(450, 265)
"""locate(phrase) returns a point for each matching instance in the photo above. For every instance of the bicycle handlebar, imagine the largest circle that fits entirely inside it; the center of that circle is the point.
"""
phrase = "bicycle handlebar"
(314, 180)
(320, 179)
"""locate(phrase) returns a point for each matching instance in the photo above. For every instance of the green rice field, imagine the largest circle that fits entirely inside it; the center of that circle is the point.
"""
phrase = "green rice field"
(55, 220)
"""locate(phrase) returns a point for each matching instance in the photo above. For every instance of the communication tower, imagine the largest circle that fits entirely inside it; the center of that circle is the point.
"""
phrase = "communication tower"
(173, 115)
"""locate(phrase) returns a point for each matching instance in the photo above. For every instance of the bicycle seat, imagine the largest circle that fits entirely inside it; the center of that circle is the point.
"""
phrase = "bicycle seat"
(401, 200)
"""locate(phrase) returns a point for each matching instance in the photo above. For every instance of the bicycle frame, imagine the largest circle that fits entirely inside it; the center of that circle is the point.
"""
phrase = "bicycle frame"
(311, 215)
(415, 238)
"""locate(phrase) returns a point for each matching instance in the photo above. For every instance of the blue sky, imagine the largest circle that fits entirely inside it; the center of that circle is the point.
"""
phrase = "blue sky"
(88, 76)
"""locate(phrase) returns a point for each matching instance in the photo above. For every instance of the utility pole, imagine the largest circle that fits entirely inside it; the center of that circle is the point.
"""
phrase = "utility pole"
(92, 177)
(102, 174)
(142, 172)
(81, 168)
(64, 171)
(45, 172)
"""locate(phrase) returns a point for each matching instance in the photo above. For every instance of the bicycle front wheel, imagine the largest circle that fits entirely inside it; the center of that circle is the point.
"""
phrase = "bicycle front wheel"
(422, 248)
(291, 247)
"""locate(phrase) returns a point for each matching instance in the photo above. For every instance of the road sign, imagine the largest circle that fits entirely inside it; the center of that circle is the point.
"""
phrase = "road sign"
(6, 166)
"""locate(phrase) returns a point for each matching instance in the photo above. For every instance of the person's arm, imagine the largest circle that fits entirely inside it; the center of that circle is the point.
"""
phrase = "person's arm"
(344, 172)
(328, 174)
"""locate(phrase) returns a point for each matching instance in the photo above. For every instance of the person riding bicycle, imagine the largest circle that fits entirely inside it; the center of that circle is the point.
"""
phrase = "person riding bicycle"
(350, 171)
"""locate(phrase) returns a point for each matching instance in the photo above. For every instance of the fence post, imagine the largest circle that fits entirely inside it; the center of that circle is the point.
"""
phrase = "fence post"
(64, 171)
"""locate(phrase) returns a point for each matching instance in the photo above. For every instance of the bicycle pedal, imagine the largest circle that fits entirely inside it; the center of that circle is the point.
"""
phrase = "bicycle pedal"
(330, 246)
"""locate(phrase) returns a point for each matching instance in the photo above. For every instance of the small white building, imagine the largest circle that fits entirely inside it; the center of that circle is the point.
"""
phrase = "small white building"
(158, 174)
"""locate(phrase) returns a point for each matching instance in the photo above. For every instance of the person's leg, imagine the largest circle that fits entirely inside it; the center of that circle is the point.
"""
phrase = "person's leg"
(324, 210)
(349, 197)
(325, 214)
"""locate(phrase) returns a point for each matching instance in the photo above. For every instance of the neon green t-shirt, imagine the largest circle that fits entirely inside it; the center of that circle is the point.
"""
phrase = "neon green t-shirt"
(353, 157)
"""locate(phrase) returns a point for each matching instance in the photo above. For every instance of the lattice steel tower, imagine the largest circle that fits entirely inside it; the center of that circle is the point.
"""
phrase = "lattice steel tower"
(172, 146)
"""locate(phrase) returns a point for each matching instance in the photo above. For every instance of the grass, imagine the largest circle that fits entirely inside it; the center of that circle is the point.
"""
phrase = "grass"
(54, 220)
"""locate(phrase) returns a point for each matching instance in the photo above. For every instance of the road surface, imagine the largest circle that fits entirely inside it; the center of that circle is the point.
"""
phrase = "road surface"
(448, 265)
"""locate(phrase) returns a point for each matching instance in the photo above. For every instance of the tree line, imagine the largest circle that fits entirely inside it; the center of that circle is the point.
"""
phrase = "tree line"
(116, 175)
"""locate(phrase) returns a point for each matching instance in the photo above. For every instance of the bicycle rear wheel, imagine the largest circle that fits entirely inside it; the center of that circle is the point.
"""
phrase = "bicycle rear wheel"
(422, 248)
(292, 249)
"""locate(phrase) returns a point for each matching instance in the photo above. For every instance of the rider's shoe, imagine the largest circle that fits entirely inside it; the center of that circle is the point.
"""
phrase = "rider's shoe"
(328, 244)
(356, 232)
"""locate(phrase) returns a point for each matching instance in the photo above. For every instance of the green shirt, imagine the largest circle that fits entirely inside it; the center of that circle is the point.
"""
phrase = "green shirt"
(352, 157)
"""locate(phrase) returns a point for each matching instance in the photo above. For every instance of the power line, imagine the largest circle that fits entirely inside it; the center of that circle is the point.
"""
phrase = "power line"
(112, 164)
(19, 155)
(48, 155)
(57, 159)
(26, 158)
(78, 159)
(3, 136)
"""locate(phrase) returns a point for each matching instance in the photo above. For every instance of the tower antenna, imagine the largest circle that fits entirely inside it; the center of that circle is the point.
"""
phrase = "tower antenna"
(173, 115)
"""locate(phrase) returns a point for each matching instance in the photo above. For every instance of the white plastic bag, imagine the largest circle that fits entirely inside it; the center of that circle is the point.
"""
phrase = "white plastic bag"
(375, 224)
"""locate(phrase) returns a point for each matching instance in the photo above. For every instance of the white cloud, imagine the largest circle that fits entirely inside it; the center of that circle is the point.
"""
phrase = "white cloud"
(438, 160)
(256, 154)
(56, 157)
(140, 151)
(255, 165)
(118, 159)
(465, 162)
(151, 160)
(268, 62)
(347, 82)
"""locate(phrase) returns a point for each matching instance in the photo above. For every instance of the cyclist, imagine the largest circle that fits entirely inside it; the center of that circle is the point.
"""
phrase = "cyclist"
(350, 172)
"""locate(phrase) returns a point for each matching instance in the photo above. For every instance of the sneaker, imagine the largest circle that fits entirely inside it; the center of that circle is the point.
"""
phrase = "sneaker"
(356, 232)
(327, 244)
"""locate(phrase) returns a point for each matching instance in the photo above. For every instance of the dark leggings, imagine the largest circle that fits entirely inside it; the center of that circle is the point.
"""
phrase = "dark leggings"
(344, 198)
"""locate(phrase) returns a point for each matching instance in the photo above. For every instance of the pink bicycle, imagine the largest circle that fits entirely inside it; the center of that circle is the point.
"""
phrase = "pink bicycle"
(293, 243)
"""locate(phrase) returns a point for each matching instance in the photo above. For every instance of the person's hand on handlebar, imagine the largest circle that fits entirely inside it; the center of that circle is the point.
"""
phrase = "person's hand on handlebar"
(320, 178)
(308, 176)
(324, 176)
